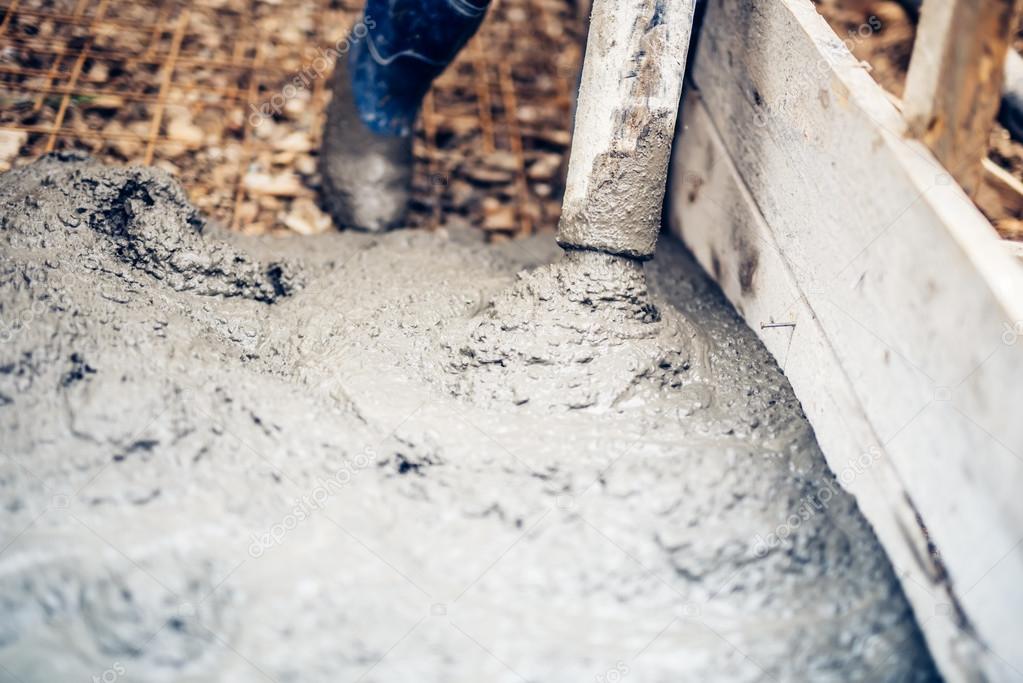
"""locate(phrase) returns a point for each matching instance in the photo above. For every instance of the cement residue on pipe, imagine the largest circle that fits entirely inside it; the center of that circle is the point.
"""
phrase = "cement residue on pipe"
(391, 457)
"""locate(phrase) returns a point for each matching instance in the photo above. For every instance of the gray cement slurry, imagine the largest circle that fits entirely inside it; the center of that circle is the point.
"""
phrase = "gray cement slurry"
(402, 457)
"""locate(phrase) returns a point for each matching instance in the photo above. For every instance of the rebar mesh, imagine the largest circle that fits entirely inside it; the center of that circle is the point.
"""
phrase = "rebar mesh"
(228, 96)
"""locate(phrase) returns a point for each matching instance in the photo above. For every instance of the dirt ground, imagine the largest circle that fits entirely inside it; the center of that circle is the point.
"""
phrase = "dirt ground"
(882, 34)
(187, 85)
(228, 96)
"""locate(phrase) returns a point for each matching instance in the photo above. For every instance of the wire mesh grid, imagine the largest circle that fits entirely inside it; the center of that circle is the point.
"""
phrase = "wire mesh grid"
(228, 96)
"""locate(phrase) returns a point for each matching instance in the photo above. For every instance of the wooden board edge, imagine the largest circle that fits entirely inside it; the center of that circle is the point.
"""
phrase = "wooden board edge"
(903, 310)
(713, 213)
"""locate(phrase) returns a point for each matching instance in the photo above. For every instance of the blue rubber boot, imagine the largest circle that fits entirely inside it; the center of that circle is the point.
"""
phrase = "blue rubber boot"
(396, 51)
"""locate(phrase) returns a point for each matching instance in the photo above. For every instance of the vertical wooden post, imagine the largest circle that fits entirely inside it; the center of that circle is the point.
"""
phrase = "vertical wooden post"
(955, 79)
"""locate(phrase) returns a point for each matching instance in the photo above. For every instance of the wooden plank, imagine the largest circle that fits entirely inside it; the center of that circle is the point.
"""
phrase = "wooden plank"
(1011, 113)
(904, 301)
(1000, 194)
(713, 212)
(954, 84)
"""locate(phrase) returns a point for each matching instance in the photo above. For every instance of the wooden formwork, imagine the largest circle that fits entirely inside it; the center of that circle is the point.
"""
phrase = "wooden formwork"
(885, 295)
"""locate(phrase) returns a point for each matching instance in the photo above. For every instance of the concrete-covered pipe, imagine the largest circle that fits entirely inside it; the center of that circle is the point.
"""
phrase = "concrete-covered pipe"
(624, 125)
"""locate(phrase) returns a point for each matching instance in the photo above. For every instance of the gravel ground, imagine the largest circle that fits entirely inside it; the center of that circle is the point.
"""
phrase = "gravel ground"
(490, 147)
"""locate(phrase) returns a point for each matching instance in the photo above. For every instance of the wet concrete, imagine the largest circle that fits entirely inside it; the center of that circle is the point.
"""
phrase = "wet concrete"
(402, 457)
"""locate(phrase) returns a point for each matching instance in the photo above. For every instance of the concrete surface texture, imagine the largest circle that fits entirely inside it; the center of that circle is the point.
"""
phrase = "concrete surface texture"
(402, 457)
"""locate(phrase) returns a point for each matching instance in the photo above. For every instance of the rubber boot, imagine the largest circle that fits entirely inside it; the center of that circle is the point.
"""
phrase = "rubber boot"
(396, 52)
